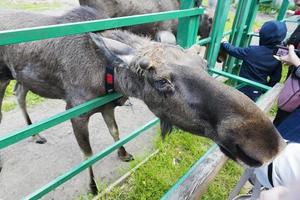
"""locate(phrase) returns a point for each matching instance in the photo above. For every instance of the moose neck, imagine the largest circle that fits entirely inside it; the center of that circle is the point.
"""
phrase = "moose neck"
(128, 83)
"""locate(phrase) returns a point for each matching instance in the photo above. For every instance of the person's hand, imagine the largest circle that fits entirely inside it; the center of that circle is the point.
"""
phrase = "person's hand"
(276, 193)
(290, 12)
(224, 40)
(291, 58)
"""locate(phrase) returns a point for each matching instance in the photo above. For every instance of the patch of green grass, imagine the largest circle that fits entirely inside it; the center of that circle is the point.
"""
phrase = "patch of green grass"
(8, 105)
(230, 19)
(33, 99)
(30, 6)
(224, 182)
(284, 72)
(177, 154)
(10, 89)
(9, 102)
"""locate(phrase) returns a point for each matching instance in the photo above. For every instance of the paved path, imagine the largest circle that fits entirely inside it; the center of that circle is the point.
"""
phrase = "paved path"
(28, 166)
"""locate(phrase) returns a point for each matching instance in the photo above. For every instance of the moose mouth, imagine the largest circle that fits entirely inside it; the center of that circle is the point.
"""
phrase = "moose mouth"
(239, 154)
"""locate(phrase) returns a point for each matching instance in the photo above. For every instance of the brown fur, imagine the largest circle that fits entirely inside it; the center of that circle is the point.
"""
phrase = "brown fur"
(172, 82)
(120, 8)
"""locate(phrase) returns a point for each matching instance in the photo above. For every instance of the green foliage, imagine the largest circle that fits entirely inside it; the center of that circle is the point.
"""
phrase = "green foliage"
(224, 182)
(284, 72)
(9, 102)
(30, 6)
(267, 9)
(8, 105)
(10, 89)
(177, 154)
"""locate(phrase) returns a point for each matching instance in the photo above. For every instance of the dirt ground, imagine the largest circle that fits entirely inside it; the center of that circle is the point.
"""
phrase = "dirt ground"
(28, 166)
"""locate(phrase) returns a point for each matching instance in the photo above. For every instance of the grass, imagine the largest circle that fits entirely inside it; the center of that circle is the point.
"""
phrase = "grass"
(284, 72)
(177, 154)
(30, 6)
(224, 182)
(9, 102)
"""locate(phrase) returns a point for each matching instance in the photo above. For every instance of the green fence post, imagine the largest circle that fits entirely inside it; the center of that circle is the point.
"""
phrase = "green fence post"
(188, 26)
(283, 8)
(246, 39)
(239, 29)
(38, 33)
(220, 19)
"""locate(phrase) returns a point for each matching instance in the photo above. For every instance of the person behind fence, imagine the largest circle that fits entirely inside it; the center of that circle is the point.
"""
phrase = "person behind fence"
(259, 65)
(297, 8)
(289, 100)
(282, 176)
(294, 40)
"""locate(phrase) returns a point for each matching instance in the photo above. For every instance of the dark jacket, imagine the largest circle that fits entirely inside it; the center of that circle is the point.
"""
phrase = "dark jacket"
(258, 61)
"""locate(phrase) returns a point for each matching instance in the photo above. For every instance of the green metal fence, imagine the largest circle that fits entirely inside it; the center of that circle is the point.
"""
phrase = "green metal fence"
(187, 29)
(188, 20)
(242, 39)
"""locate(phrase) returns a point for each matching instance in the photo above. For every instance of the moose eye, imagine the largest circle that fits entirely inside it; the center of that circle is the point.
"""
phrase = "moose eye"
(162, 81)
(164, 86)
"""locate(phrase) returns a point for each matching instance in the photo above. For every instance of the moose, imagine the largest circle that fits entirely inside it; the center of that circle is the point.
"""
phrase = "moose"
(172, 81)
(160, 31)
(120, 8)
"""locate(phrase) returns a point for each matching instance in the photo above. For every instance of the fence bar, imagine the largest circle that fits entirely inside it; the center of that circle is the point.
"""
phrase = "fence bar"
(246, 38)
(208, 39)
(52, 31)
(90, 161)
(235, 77)
(220, 19)
(187, 27)
(239, 25)
(283, 8)
(57, 119)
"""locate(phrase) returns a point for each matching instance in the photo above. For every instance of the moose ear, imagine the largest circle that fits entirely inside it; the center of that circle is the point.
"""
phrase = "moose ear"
(114, 51)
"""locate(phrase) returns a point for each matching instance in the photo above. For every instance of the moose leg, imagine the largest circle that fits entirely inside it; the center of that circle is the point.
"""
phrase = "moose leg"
(0, 164)
(80, 127)
(3, 86)
(21, 92)
(109, 118)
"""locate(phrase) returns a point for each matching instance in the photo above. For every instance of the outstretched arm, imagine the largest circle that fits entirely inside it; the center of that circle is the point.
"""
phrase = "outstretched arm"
(237, 52)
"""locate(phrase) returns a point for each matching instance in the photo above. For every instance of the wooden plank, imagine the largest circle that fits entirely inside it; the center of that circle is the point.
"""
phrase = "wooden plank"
(267, 101)
(197, 181)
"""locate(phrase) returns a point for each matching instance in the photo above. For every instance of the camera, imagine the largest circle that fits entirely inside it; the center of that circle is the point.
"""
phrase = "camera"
(280, 50)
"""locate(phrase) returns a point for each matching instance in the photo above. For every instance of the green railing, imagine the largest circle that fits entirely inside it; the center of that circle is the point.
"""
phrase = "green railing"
(188, 23)
(244, 19)
(52, 31)
(9, 37)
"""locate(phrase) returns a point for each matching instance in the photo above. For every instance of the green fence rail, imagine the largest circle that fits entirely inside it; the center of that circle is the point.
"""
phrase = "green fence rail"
(35, 128)
(189, 22)
(240, 79)
(52, 31)
(90, 161)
